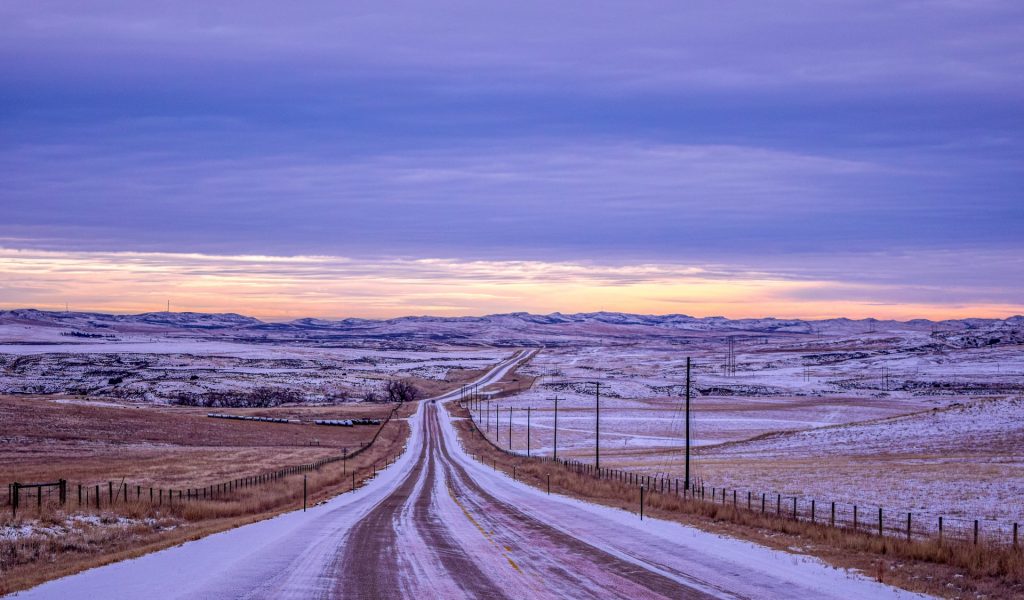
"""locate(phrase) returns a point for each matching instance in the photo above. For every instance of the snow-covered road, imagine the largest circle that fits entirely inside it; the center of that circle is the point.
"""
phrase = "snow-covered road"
(437, 524)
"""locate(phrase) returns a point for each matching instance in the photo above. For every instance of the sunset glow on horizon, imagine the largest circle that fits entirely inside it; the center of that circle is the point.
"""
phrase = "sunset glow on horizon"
(284, 288)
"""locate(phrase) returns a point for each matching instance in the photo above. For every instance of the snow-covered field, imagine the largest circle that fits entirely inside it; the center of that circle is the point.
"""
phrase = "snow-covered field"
(161, 370)
(919, 415)
(909, 420)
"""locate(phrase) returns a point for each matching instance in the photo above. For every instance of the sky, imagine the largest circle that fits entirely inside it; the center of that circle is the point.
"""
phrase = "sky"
(376, 159)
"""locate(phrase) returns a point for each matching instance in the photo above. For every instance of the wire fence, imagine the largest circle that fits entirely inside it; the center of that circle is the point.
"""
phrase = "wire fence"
(863, 518)
(26, 497)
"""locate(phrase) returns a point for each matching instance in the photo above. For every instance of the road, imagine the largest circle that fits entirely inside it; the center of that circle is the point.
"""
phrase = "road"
(437, 524)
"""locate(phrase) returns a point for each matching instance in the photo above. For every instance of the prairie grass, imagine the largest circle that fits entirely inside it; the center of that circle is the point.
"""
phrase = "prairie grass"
(66, 540)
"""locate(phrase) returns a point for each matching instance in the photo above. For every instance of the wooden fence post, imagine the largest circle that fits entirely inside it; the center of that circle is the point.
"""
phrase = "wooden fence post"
(303, 493)
(975, 532)
(940, 529)
(908, 526)
(880, 520)
(641, 502)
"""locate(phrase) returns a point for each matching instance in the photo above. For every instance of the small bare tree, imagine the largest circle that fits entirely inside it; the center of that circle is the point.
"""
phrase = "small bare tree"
(401, 391)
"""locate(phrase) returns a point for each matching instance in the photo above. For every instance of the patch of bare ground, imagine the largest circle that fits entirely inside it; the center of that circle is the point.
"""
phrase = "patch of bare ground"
(172, 448)
(950, 569)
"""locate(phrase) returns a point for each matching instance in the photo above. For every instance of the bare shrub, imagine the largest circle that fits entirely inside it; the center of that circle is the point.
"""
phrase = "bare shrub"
(261, 397)
(401, 391)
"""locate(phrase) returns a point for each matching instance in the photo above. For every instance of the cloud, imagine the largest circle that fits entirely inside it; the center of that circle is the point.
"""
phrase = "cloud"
(537, 198)
(325, 286)
(641, 45)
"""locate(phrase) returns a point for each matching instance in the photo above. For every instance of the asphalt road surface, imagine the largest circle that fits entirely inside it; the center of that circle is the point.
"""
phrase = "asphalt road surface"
(437, 524)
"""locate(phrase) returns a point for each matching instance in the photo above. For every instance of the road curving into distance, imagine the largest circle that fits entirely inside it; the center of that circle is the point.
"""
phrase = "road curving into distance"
(438, 524)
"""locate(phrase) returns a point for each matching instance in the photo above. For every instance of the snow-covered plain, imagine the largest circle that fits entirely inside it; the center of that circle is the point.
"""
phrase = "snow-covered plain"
(843, 386)
(294, 555)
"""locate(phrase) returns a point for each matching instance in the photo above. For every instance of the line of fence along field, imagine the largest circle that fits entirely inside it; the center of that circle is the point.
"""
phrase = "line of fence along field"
(26, 496)
(863, 518)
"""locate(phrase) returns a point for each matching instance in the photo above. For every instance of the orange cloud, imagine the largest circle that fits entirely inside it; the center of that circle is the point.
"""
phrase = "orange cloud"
(278, 288)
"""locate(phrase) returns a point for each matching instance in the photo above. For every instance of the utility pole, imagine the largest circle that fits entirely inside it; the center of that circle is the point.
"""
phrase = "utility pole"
(555, 454)
(687, 473)
(597, 426)
(527, 431)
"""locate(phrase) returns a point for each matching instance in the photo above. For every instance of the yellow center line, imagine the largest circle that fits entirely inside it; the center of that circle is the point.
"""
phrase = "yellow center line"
(504, 551)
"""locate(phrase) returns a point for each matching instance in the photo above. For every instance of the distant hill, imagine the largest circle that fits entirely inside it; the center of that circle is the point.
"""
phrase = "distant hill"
(36, 326)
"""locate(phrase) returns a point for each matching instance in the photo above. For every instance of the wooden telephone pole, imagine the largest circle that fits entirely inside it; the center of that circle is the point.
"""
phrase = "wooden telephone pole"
(687, 473)
(597, 426)
(555, 450)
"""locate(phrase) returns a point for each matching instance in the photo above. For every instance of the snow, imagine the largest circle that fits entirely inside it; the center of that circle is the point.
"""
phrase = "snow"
(291, 555)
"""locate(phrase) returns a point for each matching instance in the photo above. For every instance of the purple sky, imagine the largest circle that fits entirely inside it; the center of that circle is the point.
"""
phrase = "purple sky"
(875, 146)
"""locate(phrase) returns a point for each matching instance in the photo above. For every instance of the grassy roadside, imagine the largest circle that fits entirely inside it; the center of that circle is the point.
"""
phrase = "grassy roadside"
(78, 538)
(948, 570)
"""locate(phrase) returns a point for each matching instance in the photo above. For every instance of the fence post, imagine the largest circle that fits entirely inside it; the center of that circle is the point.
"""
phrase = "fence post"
(110, 492)
(353, 481)
(303, 493)
(762, 502)
(778, 505)
(749, 495)
(97, 496)
(975, 532)
(794, 508)
(832, 519)
(855, 517)
(549, 483)
(1014, 535)
(812, 511)
(15, 498)
(908, 527)
(940, 529)
(79, 495)
(879, 520)
(641, 502)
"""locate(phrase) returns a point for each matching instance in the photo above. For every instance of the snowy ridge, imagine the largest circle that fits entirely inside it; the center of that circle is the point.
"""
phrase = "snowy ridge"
(509, 327)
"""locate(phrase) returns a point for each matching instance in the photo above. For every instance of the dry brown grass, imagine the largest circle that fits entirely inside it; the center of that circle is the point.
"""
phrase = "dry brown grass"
(162, 446)
(945, 569)
(29, 561)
